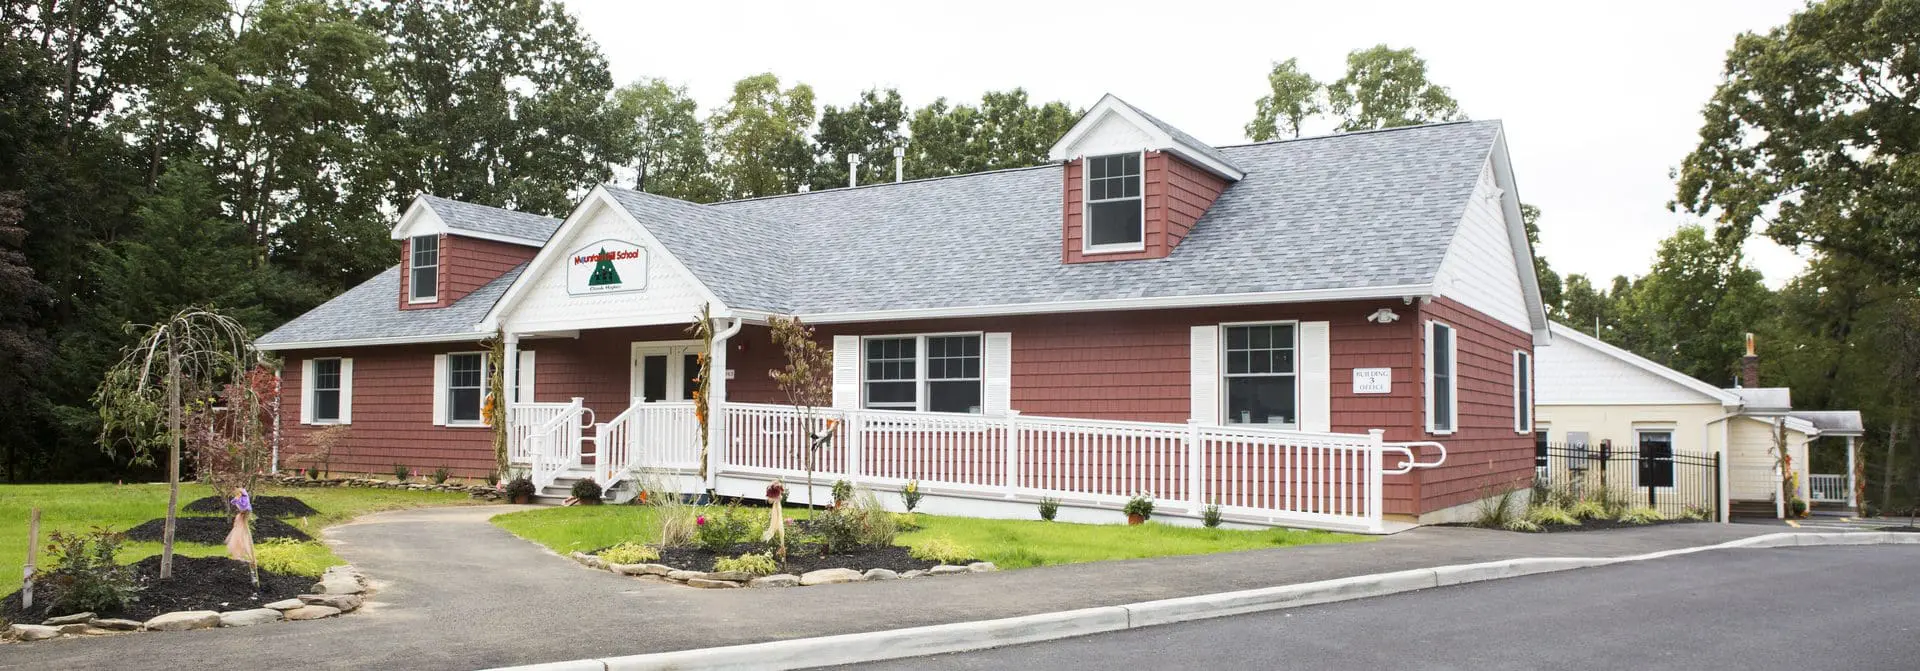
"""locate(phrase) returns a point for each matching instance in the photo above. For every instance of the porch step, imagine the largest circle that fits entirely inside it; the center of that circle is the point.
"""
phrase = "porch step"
(1752, 509)
(562, 489)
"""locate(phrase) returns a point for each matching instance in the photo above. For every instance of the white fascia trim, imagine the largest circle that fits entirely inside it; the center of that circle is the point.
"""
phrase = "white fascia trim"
(550, 250)
(369, 342)
(1726, 398)
(421, 219)
(1794, 424)
(1160, 140)
(1517, 238)
(1102, 305)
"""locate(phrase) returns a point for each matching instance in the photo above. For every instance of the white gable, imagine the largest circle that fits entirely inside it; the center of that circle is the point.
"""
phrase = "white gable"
(1578, 370)
(1481, 269)
(556, 293)
(1112, 126)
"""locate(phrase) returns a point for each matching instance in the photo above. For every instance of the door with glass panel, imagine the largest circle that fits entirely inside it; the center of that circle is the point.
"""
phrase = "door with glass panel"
(664, 372)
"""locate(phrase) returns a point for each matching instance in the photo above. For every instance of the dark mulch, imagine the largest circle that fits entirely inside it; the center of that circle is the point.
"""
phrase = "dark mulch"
(213, 530)
(1588, 525)
(198, 583)
(801, 558)
(263, 506)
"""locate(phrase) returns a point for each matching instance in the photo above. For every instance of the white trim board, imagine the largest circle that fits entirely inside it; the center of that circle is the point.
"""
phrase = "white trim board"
(1726, 398)
(421, 219)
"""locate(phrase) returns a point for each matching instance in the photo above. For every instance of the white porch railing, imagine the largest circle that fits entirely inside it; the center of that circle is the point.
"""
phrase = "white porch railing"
(523, 419)
(1828, 488)
(657, 436)
(554, 445)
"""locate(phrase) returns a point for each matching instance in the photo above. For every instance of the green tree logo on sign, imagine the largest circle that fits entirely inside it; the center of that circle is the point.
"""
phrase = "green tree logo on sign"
(603, 272)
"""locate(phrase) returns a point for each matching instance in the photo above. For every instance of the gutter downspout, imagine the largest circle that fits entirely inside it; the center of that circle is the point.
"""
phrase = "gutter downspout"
(717, 399)
(1726, 463)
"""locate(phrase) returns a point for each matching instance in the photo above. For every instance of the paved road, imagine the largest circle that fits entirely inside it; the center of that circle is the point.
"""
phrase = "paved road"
(1798, 609)
(455, 592)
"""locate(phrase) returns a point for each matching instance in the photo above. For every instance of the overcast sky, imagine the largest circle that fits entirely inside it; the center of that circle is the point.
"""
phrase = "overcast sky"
(1600, 100)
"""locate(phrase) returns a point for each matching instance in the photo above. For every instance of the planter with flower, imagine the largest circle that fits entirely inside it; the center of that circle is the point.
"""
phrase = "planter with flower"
(518, 490)
(1139, 508)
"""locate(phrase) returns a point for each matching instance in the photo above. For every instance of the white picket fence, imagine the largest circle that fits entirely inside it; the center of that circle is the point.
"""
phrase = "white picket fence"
(1827, 488)
(1325, 480)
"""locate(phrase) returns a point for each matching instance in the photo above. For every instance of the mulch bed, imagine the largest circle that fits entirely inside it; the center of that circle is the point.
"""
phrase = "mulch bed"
(213, 530)
(263, 506)
(198, 583)
(1587, 525)
(800, 560)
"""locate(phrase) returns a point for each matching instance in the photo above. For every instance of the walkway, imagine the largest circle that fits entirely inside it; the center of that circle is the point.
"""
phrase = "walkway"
(457, 592)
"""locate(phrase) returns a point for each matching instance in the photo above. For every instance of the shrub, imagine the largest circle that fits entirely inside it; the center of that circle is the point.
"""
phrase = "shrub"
(630, 553)
(1698, 513)
(85, 576)
(1141, 504)
(1552, 514)
(585, 490)
(842, 493)
(1798, 506)
(720, 530)
(1521, 524)
(906, 521)
(1494, 512)
(1049, 507)
(440, 475)
(860, 523)
(941, 549)
(910, 495)
(399, 473)
(1588, 509)
(1641, 515)
(750, 564)
(290, 557)
(1211, 516)
(518, 487)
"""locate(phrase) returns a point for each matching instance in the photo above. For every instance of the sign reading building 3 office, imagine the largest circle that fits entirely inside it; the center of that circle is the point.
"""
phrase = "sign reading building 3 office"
(607, 266)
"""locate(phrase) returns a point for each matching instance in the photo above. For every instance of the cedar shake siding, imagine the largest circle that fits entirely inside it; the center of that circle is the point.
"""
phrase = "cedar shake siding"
(392, 415)
(1176, 194)
(466, 264)
(1484, 453)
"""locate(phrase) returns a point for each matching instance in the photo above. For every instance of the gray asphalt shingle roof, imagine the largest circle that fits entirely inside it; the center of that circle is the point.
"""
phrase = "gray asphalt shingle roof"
(1833, 422)
(487, 220)
(1182, 137)
(372, 310)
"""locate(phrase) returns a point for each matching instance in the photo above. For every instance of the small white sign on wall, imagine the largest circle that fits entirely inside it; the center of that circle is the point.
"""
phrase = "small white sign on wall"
(1373, 380)
(607, 266)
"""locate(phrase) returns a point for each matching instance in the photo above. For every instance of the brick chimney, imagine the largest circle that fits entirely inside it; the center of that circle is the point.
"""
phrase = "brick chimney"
(1750, 366)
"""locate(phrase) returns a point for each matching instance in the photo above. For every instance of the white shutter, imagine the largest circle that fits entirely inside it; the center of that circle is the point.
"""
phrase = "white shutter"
(346, 391)
(526, 381)
(1316, 377)
(306, 391)
(439, 390)
(846, 372)
(999, 373)
(1205, 359)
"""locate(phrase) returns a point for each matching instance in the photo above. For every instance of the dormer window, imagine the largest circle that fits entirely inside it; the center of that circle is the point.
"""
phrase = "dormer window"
(1115, 212)
(423, 269)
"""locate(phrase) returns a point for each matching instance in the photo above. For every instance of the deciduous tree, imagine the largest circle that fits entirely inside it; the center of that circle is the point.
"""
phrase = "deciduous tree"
(761, 137)
(1386, 87)
(1293, 97)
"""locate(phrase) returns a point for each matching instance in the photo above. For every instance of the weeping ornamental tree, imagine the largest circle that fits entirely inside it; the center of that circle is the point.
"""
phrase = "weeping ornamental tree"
(195, 354)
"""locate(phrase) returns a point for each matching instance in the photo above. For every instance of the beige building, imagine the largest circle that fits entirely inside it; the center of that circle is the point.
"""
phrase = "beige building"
(1693, 441)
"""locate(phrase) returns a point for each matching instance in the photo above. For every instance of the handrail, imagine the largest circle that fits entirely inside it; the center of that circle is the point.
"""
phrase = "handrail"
(1412, 459)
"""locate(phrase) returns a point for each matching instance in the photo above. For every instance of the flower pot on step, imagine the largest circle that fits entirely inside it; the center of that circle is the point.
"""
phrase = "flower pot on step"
(522, 499)
(1133, 519)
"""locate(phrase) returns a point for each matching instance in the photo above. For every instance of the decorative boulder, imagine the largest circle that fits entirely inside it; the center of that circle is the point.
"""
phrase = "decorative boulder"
(947, 569)
(286, 604)
(248, 618)
(881, 574)
(32, 632)
(683, 576)
(338, 585)
(116, 624)
(312, 612)
(347, 603)
(776, 580)
(729, 576)
(76, 618)
(184, 620)
(711, 584)
(828, 576)
(982, 567)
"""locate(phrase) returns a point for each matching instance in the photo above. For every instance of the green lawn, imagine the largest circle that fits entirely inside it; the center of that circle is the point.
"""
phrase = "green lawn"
(119, 507)
(1007, 543)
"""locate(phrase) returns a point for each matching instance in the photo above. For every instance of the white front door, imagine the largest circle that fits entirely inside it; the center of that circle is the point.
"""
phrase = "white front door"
(664, 371)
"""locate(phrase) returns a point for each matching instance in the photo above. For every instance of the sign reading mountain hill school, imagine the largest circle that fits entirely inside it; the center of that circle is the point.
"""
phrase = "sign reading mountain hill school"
(607, 266)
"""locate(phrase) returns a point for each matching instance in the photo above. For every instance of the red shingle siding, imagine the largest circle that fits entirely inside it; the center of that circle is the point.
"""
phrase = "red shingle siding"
(466, 264)
(392, 415)
(406, 278)
(597, 366)
(1176, 195)
(1484, 454)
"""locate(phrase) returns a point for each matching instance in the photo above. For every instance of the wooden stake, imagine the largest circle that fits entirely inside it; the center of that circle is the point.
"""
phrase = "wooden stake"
(33, 554)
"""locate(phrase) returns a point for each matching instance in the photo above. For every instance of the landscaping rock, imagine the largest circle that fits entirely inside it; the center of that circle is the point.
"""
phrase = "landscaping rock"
(347, 603)
(657, 569)
(828, 576)
(249, 617)
(184, 620)
(345, 571)
(711, 584)
(882, 574)
(982, 567)
(76, 618)
(649, 577)
(84, 629)
(589, 560)
(913, 574)
(285, 604)
(683, 576)
(312, 612)
(947, 569)
(627, 569)
(32, 632)
(338, 585)
(776, 580)
(729, 576)
(116, 624)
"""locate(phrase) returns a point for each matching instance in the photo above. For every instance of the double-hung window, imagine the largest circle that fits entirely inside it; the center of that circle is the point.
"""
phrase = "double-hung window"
(466, 385)
(1442, 385)
(1262, 374)
(934, 373)
(326, 391)
(1522, 391)
(1656, 458)
(423, 269)
(1113, 212)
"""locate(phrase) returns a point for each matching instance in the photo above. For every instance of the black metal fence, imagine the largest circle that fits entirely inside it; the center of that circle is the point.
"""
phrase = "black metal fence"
(1677, 483)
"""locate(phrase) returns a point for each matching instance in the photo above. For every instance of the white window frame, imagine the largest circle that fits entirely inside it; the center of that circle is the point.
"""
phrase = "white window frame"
(920, 379)
(1640, 430)
(1522, 391)
(1226, 391)
(447, 389)
(1453, 379)
(414, 266)
(340, 392)
(1086, 208)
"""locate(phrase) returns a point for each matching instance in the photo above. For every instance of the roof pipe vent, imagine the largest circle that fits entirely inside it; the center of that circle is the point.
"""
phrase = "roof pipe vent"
(805, 188)
(899, 164)
(853, 170)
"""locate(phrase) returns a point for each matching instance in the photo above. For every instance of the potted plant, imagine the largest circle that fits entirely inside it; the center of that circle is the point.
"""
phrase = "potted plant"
(518, 490)
(586, 492)
(1139, 508)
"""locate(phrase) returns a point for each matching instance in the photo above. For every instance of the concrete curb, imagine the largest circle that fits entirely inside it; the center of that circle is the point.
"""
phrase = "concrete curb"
(982, 634)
